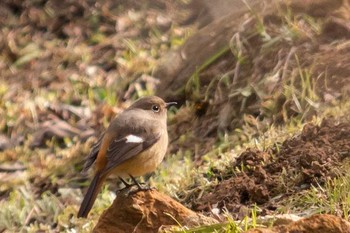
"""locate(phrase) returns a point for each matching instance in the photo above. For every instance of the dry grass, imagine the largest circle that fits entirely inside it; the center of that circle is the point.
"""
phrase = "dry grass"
(80, 76)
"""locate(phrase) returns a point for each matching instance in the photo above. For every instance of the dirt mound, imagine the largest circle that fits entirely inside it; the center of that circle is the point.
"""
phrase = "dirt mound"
(313, 224)
(307, 159)
(147, 211)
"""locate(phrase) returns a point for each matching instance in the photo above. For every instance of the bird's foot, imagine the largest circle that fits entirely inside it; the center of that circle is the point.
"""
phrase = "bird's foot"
(141, 186)
(127, 186)
(143, 189)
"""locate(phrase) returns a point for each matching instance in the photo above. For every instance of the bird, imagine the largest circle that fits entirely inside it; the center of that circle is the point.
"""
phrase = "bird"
(133, 145)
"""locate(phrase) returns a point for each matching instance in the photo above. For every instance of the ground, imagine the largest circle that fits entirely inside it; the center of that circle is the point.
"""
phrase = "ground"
(262, 123)
(306, 160)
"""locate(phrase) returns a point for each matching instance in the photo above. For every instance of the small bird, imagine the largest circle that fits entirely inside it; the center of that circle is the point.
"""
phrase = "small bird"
(134, 144)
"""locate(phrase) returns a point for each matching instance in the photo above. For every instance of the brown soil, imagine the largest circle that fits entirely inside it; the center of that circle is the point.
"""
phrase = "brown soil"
(218, 106)
(147, 211)
(313, 224)
(308, 159)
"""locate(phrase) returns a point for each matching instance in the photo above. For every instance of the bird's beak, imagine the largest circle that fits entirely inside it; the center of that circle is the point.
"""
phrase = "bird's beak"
(167, 105)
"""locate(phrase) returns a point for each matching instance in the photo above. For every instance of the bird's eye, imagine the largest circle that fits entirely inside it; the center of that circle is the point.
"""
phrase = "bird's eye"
(155, 108)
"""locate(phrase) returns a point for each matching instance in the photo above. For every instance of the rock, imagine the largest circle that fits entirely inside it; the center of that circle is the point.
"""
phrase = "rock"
(319, 223)
(147, 211)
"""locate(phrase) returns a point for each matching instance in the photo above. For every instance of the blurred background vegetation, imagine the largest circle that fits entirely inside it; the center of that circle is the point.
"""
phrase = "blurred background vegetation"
(252, 79)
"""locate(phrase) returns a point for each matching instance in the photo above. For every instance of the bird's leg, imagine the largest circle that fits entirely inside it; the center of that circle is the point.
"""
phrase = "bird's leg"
(140, 188)
(137, 183)
(126, 184)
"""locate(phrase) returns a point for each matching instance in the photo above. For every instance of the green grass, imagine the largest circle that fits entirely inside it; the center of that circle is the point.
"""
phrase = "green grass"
(193, 85)
(331, 198)
(227, 226)
(178, 176)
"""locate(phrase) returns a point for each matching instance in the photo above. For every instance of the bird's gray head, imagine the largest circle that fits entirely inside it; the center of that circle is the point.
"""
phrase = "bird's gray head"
(152, 104)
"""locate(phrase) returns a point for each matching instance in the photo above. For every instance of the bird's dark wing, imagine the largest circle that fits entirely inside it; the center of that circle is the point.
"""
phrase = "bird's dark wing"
(93, 154)
(123, 149)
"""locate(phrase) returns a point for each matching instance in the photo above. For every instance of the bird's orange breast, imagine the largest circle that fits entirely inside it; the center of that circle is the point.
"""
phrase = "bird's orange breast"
(145, 162)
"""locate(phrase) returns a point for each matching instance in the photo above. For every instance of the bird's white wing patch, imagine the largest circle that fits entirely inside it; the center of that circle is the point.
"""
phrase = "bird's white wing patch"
(133, 139)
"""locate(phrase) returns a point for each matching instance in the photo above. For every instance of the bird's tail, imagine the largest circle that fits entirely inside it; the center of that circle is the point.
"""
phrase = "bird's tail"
(91, 195)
